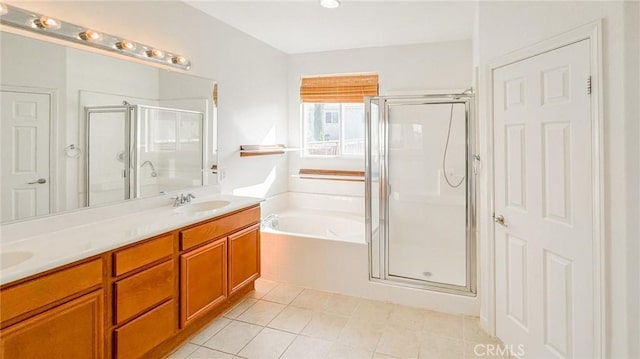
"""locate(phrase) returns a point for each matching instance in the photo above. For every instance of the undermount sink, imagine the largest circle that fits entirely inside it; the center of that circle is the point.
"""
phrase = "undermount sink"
(202, 206)
(10, 259)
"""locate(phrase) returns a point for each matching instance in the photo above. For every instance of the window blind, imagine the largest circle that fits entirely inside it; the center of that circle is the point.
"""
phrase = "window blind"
(338, 88)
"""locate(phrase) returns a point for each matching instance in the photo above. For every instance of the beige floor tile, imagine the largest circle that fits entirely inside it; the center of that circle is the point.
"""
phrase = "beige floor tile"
(269, 344)
(183, 352)
(263, 287)
(473, 333)
(283, 294)
(341, 351)
(239, 308)
(362, 333)
(407, 317)
(308, 348)
(341, 304)
(325, 326)
(261, 313)
(311, 299)
(210, 330)
(438, 347)
(206, 353)
(443, 324)
(373, 310)
(233, 337)
(399, 342)
(292, 319)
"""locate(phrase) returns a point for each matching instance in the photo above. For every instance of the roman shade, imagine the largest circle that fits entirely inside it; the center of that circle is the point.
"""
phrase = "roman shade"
(338, 88)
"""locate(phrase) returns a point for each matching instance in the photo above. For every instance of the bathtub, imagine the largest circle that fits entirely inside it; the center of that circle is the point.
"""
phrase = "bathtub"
(318, 241)
(329, 225)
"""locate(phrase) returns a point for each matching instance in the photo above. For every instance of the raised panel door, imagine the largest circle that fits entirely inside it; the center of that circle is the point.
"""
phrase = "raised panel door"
(203, 280)
(244, 258)
(71, 330)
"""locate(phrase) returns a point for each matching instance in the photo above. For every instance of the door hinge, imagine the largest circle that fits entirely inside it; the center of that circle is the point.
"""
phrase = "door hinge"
(589, 85)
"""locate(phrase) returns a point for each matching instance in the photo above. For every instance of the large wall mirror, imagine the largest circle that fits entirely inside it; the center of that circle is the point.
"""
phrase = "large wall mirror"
(84, 129)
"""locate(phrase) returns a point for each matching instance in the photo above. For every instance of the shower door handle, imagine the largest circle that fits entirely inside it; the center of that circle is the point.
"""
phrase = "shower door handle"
(499, 219)
(38, 181)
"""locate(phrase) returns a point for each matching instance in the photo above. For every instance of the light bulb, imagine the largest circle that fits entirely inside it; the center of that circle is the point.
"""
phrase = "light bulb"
(125, 45)
(179, 60)
(156, 54)
(3, 9)
(330, 4)
(90, 35)
(45, 22)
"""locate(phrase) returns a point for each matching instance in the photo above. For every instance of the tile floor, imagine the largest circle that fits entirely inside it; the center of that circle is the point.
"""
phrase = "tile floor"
(282, 321)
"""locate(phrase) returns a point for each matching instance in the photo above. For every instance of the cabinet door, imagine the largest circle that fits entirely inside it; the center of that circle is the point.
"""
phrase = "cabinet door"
(203, 280)
(244, 258)
(71, 330)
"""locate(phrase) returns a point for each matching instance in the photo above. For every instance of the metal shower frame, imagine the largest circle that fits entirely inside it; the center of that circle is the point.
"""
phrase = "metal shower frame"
(467, 98)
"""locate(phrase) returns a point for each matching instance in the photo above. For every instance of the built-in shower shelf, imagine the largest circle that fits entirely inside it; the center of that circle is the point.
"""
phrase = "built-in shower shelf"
(264, 150)
(331, 175)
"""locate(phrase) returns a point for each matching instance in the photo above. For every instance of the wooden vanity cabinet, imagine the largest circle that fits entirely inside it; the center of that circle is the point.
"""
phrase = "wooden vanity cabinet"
(218, 259)
(138, 301)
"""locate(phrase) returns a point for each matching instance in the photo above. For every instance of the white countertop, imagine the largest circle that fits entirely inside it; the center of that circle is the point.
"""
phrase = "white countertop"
(54, 249)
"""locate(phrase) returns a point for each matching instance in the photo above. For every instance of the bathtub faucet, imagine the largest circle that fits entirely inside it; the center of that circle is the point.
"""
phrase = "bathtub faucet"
(270, 221)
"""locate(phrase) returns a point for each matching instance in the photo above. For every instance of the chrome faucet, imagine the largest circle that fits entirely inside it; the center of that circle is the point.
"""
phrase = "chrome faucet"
(182, 199)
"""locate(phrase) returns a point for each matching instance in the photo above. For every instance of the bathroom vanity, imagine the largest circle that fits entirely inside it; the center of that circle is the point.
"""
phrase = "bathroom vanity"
(138, 295)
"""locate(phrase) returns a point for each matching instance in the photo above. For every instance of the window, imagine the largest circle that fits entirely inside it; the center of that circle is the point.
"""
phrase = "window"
(333, 113)
(341, 132)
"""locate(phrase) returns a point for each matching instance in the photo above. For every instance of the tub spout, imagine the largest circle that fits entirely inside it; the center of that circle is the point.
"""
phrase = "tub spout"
(270, 221)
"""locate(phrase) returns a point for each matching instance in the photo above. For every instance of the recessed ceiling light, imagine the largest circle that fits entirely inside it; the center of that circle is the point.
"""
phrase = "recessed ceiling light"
(330, 4)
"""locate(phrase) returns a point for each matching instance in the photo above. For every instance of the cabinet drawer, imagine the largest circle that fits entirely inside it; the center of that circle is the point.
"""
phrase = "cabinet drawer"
(219, 227)
(143, 290)
(143, 334)
(41, 291)
(140, 255)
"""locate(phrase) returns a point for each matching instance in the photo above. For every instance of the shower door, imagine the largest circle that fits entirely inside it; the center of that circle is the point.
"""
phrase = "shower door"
(420, 191)
(108, 160)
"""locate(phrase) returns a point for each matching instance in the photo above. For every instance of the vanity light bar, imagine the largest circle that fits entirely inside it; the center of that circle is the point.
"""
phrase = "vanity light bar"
(38, 23)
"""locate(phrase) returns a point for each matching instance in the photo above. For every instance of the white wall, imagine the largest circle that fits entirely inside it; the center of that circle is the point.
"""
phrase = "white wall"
(431, 66)
(507, 26)
(251, 76)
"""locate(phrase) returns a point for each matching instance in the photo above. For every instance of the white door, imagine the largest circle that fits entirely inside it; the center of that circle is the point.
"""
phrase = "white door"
(25, 155)
(543, 190)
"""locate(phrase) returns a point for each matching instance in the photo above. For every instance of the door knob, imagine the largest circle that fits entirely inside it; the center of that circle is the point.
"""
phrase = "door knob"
(39, 181)
(499, 219)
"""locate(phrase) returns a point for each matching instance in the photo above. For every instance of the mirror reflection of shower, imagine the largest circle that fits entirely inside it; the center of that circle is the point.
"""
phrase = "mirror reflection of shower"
(139, 150)
(153, 169)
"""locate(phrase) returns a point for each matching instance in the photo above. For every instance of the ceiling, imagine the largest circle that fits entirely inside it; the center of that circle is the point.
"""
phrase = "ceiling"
(301, 26)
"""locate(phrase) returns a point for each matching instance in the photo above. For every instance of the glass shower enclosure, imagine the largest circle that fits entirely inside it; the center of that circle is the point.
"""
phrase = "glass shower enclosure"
(136, 151)
(420, 191)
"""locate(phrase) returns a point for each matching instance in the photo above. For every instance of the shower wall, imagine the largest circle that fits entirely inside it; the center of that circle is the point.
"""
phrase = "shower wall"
(427, 216)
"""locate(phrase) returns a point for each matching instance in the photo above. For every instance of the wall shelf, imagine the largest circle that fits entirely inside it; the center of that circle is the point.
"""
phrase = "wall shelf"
(264, 150)
(331, 175)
